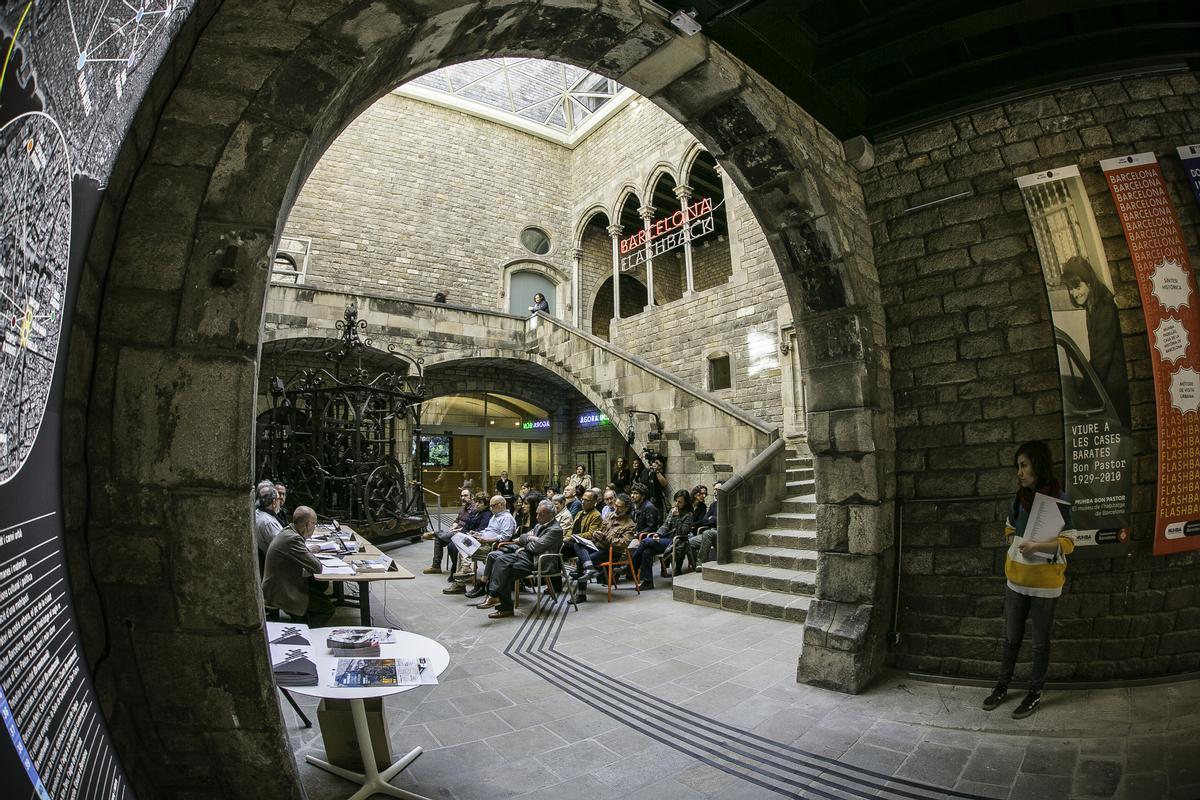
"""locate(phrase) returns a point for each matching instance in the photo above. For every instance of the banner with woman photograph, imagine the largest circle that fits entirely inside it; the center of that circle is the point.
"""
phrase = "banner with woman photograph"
(1091, 353)
(1169, 304)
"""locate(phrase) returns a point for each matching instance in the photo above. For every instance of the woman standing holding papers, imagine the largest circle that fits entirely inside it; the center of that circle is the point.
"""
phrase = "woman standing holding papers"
(1036, 572)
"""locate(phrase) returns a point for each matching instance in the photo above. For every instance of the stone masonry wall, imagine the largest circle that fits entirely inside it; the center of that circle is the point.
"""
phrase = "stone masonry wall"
(388, 213)
(975, 373)
(387, 207)
(737, 317)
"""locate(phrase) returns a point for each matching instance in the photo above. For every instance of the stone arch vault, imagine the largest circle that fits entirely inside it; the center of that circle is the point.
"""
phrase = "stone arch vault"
(159, 407)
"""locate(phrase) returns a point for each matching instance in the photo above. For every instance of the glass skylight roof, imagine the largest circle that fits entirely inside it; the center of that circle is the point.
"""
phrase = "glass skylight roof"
(560, 97)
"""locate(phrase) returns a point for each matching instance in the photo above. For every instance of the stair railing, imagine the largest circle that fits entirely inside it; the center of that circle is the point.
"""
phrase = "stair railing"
(748, 496)
(542, 318)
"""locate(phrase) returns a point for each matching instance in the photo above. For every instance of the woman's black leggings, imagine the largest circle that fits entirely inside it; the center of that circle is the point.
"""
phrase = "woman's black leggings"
(1018, 607)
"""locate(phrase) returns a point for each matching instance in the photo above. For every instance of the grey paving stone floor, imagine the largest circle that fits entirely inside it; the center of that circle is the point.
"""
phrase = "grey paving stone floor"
(692, 703)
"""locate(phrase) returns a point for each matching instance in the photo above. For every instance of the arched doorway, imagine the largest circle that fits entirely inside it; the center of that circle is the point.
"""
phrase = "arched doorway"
(159, 408)
(633, 302)
(524, 284)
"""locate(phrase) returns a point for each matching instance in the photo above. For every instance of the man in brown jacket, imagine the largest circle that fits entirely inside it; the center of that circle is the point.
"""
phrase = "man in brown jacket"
(287, 580)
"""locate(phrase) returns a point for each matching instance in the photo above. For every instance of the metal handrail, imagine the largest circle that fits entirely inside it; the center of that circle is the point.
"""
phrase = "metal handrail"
(437, 500)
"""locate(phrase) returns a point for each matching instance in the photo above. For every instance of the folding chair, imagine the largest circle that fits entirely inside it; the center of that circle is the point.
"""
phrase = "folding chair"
(614, 563)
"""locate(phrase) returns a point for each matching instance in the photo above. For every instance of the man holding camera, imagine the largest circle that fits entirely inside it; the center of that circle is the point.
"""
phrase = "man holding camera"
(654, 478)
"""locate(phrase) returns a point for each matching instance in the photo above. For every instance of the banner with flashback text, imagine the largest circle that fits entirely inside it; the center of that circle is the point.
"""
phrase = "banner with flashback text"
(1169, 305)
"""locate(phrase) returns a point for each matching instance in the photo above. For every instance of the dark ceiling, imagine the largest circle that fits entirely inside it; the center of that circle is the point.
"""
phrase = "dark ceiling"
(875, 67)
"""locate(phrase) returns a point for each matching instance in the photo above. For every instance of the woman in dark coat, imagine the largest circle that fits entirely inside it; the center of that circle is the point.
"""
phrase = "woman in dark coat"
(1105, 347)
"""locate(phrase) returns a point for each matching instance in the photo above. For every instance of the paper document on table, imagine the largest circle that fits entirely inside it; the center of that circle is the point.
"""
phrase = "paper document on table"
(465, 543)
(332, 565)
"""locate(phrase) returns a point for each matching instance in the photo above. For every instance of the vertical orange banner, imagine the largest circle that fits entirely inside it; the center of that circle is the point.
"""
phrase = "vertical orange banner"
(1169, 304)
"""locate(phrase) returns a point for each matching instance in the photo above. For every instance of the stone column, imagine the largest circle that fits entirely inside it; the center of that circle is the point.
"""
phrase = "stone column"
(647, 215)
(684, 193)
(615, 232)
(576, 288)
(735, 242)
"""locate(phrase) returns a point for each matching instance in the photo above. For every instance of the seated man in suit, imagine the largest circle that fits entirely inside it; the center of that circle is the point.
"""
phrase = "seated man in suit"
(287, 580)
(531, 501)
(545, 537)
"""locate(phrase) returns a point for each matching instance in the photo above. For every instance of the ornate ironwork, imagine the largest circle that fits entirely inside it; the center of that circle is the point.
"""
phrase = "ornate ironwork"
(331, 433)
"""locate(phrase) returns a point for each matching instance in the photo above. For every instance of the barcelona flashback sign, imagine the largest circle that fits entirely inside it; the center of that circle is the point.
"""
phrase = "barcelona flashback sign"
(664, 235)
(1091, 364)
(1169, 304)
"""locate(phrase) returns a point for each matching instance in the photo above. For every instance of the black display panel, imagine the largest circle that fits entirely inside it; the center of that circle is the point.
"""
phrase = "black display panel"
(72, 76)
(437, 450)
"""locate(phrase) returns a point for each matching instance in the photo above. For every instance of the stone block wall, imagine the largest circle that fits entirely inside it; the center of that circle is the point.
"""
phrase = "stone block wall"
(389, 213)
(386, 208)
(738, 317)
(975, 373)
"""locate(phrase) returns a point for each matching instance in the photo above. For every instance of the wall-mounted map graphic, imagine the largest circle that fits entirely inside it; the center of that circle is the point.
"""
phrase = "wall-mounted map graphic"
(72, 76)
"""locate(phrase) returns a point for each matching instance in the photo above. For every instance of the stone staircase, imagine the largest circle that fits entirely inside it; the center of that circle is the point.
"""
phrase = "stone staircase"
(774, 574)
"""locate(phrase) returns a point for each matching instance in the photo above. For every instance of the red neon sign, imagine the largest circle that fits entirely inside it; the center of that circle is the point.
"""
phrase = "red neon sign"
(666, 225)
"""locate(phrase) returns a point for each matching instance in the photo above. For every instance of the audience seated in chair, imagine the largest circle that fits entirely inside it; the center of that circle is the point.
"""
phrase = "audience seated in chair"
(577, 538)
(545, 538)
(611, 540)
(471, 518)
(532, 499)
(501, 527)
(704, 539)
(672, 534)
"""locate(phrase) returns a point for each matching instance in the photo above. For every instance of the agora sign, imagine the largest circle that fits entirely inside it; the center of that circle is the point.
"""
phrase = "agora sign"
(665, 225)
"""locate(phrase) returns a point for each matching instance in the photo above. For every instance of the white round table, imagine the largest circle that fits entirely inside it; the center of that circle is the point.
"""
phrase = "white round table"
(407, 645)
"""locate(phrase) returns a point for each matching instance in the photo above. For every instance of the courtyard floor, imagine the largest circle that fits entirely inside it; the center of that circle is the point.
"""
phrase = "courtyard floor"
(650, 699)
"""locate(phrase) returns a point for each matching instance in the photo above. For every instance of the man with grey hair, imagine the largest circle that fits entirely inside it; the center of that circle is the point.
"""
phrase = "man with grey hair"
(545, 537)
(287, 580)
(266, 524)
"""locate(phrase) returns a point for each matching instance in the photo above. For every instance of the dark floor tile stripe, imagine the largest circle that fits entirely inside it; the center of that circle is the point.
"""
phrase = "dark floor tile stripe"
(533, 646)
(656, 729)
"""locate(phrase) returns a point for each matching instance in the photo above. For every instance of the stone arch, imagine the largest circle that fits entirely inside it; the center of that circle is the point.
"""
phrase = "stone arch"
(634, 298)
(596, 209)
(656, 172)
(456, 358)
(693, 152)
(172, 300)
(623, 196)
(561, 281)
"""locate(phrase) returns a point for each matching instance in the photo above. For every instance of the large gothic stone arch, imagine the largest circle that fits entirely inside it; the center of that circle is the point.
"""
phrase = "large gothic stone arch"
(159, 408)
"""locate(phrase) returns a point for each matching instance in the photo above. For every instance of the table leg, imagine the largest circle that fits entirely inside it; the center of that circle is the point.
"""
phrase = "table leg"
(364, 603)
(373, 781)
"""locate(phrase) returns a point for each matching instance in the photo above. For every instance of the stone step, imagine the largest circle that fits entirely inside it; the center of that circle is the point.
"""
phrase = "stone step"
(799, 474)
(777, 557)
(795, 462)
(793, 520)
(754, 576)
(800, 504)
(780, 537)
(802, 487)
(693, 588)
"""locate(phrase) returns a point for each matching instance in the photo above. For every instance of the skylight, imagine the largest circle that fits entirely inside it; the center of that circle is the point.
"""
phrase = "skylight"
(558, 101)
